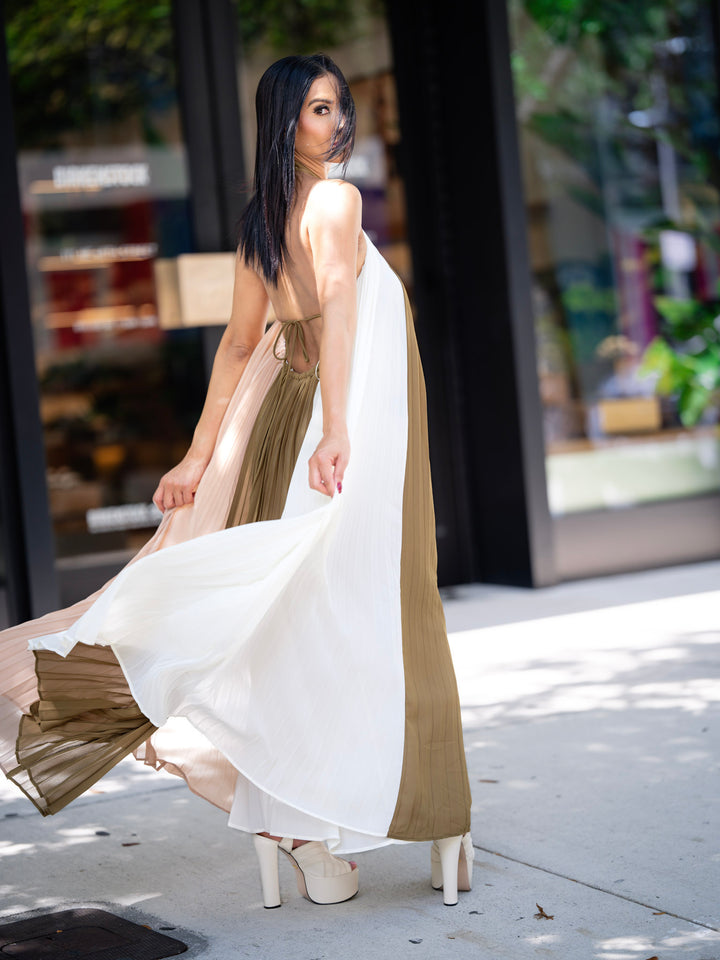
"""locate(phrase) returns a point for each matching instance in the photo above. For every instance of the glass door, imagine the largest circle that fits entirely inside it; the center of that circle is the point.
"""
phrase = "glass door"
(104, 190)
(617, 108)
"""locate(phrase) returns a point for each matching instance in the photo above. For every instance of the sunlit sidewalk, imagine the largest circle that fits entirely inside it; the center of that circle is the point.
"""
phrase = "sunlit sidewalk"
(594, 739)
(592, 719)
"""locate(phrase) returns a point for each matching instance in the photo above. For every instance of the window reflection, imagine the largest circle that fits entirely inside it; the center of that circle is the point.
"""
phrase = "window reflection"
(617, 111)
(104, 189)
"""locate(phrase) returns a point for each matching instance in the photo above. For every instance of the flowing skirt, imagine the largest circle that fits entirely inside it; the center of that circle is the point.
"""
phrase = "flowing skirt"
(284, 652)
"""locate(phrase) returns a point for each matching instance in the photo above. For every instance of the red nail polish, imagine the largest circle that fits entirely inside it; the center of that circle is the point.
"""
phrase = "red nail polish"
(339, 486)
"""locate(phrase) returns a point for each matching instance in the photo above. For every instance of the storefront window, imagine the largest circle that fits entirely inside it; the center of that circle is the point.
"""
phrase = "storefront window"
(617, 108)
(355, 34)
(104, 189)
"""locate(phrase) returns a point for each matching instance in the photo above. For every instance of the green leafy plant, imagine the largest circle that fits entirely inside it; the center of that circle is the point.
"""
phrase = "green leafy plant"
(80, 63)
(301, 26)
(685, 358)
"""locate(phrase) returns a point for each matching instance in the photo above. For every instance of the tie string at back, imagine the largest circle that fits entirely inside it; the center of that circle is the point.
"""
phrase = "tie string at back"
(292, 332)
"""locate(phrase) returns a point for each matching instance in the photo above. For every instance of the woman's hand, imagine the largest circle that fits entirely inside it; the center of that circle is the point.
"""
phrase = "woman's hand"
(328, 462)
(178, 486)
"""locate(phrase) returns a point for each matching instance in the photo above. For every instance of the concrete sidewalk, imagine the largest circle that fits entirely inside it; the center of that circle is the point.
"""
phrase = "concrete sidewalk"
(592, 726)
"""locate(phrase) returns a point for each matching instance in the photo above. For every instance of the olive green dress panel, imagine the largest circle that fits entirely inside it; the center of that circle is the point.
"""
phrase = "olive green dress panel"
(434, 796)
(84, 721)
(273, 448)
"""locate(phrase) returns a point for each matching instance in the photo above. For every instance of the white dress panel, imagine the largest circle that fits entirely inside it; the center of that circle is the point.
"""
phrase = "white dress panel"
(281, 640)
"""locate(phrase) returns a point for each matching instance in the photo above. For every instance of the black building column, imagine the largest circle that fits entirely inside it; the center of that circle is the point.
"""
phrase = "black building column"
(460, 161)
(25, 529)
(206, 51)
(206, 44)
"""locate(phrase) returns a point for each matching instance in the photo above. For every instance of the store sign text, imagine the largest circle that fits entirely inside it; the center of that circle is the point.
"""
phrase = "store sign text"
(97, 176)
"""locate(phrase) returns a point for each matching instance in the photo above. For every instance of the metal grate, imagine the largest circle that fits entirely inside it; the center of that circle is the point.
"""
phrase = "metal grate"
(84, 935)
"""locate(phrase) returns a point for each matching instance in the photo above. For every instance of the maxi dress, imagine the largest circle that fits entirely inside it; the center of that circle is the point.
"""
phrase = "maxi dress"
(283, 651)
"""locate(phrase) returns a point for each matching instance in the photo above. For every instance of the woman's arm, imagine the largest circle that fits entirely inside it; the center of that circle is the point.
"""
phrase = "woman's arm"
(334, 216)
(243, 333)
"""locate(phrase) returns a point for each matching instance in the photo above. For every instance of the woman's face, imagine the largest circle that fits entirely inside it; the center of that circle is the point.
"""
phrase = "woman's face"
(318, 119)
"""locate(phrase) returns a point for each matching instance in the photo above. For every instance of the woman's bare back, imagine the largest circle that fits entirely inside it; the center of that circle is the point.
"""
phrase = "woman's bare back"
(295, 295)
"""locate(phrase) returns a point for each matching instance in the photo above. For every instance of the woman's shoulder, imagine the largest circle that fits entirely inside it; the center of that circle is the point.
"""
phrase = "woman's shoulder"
(335, 198)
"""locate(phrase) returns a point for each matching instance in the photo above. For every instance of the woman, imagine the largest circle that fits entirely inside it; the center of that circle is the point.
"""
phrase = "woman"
(286, 610)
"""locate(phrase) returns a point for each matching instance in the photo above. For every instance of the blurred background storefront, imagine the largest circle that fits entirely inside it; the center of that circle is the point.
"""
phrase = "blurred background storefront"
(545, 180)
(620, 145)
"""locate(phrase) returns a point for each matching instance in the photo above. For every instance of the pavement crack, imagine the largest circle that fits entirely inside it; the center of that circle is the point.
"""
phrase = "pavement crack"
(594, 886)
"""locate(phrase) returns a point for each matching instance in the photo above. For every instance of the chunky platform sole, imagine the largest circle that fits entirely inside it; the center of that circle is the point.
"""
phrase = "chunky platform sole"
(311, 884)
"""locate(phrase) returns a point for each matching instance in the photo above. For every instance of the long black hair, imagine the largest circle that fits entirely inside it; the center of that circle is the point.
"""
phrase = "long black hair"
(280, 95)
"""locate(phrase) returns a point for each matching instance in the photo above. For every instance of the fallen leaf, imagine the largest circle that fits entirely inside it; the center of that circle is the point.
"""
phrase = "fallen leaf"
(134, 843)
(542, 915)
(416, 941)
(652, 958)
(658, 913)
(102, 833)
(488, 781)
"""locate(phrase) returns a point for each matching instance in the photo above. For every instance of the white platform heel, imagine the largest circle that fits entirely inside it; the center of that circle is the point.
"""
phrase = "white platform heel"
(321, 877)
(451, 865)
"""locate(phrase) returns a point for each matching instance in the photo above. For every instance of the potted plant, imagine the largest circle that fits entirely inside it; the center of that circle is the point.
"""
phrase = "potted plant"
(685, 357)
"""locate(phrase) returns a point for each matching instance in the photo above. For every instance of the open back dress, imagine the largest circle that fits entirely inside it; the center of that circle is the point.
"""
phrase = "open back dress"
(283, 651)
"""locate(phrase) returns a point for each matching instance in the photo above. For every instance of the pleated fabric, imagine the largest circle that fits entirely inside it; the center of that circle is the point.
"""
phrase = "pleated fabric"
(273, 448)
(434, 795)
(297, 668)
(85, 719)
(178, 748)
(83, 722)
